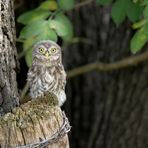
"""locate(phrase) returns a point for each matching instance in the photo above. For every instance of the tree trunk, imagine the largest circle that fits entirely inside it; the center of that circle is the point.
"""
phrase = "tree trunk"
(107, 109)
(8, 85)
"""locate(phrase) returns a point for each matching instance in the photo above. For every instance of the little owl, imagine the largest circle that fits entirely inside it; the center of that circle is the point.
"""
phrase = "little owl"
(47, 74)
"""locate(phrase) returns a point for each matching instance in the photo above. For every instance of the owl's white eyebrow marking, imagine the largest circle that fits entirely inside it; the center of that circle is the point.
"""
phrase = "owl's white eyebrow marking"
(46, 45)
(52, 46)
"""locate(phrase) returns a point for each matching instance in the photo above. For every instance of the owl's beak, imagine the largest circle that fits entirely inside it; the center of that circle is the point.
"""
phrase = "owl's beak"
(47, 54)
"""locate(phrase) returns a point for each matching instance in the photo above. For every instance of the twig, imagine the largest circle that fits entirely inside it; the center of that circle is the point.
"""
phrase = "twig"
(54, 14)
(24, 91)
(81, 4)
(19, 40)
(130, 61)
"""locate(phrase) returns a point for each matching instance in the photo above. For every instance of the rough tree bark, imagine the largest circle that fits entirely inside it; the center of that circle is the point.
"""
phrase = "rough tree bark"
(37, 123)
(8, 85)
(107, 109)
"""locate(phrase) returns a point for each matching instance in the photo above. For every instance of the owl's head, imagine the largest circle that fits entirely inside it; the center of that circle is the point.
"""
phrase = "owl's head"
(47, 52)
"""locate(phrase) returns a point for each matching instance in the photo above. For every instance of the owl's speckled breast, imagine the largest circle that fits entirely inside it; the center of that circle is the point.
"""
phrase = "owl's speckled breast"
(41, 84)
(42, 80)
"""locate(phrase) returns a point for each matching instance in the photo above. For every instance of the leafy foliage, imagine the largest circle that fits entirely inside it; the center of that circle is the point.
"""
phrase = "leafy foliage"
(134, 10)
(66, 4)
(49, 5)
(138, 40)
(141, 36)
(119, 11)
(122, 8)
(62, 26)
(48, 21)
(33, 15)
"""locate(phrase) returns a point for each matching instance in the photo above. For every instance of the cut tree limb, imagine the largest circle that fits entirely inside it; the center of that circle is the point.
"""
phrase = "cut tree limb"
(35, 124)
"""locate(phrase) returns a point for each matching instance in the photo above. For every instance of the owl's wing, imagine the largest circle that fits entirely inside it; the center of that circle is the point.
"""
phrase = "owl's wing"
(62, 76)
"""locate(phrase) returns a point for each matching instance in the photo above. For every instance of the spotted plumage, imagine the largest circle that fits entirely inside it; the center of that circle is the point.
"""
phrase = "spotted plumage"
(47, 74)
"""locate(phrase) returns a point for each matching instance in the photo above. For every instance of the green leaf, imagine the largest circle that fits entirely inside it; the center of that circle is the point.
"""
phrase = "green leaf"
(58, 27)
(27, 47)
(118, 12)
(66, 4)
(134, 11)
(33, 29)
(45, 34)
(64, 20)
(145, 28)
(138, 40)
(144, 2)
(62, 26)
(28, 43)
(139, 24)
(28, 57)
(48, 5)
(48, 34)
(33, 15)
(145, 12)
(69, 26)
(135, 1)
(103, 2)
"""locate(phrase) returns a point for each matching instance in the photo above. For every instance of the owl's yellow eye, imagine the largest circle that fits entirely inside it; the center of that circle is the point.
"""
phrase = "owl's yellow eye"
(41, 49)
(53, 50)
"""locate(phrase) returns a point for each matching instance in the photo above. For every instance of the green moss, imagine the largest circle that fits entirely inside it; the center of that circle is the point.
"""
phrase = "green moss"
(30, 112)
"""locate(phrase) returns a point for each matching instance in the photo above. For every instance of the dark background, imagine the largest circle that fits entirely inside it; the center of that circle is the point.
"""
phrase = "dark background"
(106, 109)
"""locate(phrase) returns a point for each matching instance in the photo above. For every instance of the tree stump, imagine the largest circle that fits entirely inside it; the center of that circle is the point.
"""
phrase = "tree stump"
(33, 124)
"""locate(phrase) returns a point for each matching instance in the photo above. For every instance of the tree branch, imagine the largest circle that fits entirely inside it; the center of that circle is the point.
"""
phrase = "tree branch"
(98, 66)
(81, 4)
(24, 91)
